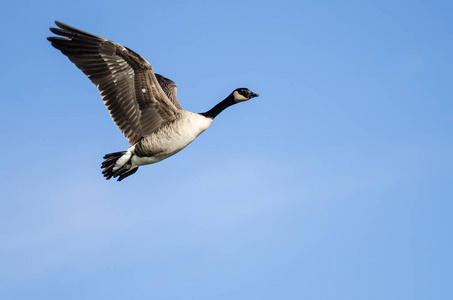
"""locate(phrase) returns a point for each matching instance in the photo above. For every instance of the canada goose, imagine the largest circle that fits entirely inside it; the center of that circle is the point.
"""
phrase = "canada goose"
(142, 104)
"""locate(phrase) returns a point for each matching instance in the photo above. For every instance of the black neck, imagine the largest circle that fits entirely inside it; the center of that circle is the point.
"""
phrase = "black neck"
(213, 112)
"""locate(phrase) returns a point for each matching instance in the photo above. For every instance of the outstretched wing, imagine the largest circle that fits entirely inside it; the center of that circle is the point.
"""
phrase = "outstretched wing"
(129, 88)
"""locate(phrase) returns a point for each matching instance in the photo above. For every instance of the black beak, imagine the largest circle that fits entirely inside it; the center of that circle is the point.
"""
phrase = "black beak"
(254, 95)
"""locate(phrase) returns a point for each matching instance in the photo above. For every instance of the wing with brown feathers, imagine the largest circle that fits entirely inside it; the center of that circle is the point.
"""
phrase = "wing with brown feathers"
(129, 88)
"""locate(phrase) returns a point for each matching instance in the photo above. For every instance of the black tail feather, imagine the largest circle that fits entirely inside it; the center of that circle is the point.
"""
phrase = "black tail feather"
(114, 154)
(109, 163)
(128, 173)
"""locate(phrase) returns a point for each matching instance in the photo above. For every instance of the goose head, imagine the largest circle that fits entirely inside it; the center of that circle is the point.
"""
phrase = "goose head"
(243, 94)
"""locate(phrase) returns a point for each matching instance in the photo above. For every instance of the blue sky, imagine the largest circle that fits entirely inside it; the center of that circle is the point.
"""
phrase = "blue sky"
(336, 183)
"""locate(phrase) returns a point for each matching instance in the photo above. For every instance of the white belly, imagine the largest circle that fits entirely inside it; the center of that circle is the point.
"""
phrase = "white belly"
(172, 139)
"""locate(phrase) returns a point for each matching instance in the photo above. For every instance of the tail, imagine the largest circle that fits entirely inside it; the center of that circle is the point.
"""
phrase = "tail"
(122, 171)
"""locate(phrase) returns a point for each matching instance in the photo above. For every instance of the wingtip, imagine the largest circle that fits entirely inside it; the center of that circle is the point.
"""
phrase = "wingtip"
(69, 31)
(54, 30)
(59, 24)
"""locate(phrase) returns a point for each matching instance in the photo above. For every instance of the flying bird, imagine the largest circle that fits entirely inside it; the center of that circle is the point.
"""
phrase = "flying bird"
(143, 104)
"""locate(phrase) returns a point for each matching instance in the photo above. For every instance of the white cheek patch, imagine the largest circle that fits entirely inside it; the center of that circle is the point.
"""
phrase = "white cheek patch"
(238, 97)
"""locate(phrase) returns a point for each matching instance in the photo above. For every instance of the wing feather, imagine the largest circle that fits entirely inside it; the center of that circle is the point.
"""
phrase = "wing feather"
(169, 87)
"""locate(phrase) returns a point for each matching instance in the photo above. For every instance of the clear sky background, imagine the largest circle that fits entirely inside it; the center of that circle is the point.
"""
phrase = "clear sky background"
(336, 183)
